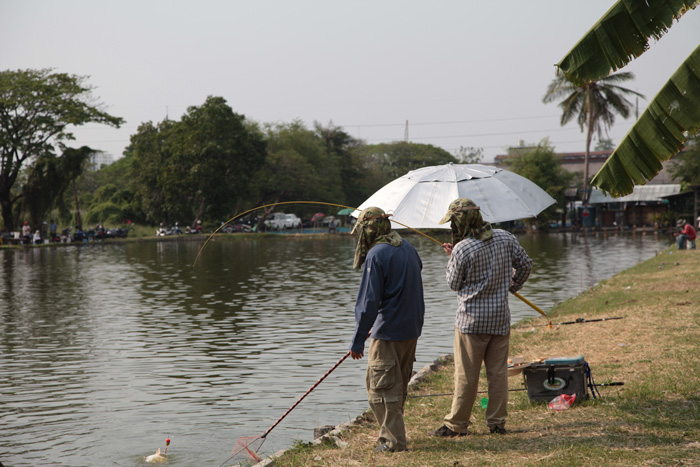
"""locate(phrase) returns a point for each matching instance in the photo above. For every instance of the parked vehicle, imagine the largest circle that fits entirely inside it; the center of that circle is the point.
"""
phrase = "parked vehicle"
(291, 221)
(281, 221)
(276, 221)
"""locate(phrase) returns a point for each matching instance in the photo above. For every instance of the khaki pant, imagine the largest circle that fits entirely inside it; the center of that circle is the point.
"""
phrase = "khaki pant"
(388, 372)
(470, 350)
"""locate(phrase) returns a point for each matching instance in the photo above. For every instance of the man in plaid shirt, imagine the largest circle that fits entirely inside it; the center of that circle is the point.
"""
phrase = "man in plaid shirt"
(485, 264)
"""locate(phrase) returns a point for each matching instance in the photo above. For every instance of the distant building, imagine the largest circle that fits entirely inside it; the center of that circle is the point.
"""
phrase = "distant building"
(574, 161)
(99, 159)
(637, 209)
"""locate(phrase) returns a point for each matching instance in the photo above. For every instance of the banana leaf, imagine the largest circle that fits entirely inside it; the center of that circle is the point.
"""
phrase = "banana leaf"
(660, 132)
(621, 35)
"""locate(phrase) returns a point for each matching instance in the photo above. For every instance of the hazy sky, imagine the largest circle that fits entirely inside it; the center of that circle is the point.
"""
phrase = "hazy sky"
(462, 73)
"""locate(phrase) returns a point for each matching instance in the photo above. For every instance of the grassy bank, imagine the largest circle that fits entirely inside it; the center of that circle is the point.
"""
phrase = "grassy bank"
(653, 419)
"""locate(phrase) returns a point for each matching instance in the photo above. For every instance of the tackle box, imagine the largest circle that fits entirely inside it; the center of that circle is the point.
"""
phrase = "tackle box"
(555, 376)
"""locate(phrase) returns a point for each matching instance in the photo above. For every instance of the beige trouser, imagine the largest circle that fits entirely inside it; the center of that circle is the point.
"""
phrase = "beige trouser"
(470, 350)
(388, 372)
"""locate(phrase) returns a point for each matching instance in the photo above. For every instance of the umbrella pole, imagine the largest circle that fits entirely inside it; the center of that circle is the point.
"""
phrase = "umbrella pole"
(535, 307)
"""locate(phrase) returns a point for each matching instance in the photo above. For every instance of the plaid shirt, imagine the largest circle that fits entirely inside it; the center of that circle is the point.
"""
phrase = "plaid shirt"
(482, 273)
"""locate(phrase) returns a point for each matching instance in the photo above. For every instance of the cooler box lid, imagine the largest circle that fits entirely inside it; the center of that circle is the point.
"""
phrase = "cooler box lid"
(565, 360)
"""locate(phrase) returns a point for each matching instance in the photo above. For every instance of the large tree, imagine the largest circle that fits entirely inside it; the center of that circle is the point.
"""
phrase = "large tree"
(621, 35)
(339, 146)
(49, 178)
(37, 110)
(593, 104)
(198, 167)
(541, 166)
(302, 164)
(382, 163)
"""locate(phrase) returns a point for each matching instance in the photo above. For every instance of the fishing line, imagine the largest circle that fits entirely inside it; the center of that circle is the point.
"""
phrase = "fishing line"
(292, 202)
(199, 253)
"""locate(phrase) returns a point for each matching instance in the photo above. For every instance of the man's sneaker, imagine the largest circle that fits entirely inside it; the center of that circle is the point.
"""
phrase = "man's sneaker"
(498, 430)
(445, 432)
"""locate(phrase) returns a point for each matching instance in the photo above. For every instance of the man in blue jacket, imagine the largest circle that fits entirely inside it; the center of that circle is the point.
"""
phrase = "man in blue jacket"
(390, 304)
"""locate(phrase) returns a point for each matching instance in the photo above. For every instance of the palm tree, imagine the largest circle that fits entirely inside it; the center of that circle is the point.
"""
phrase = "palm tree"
(671, 117)
(593, 104)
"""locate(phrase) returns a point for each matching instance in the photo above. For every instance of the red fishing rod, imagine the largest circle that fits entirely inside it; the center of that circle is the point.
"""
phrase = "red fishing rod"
(246, 447)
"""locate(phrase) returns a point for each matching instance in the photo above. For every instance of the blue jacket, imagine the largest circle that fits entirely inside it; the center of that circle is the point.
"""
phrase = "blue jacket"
(390, 299)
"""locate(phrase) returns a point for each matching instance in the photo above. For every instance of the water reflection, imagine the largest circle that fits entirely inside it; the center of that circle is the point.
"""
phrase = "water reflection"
(113, 346)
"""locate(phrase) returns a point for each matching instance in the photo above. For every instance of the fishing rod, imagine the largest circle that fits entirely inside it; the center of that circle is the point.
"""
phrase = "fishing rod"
(199, 253)
(417, 396)
(247, 446)
(578, 321)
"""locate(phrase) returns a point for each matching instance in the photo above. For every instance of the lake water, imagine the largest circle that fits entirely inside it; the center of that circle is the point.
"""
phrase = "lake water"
(107, 349)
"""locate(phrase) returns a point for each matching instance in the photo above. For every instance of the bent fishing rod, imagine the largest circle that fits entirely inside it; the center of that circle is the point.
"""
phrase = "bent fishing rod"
(526, 301)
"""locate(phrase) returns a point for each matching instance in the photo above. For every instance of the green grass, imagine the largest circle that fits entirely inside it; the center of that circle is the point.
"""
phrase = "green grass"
(654, 419)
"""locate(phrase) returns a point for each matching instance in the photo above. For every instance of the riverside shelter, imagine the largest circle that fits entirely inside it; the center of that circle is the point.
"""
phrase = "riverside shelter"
(634, 210)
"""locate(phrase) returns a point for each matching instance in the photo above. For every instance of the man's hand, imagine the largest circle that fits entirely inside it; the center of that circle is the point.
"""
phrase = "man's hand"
(357, 356)
(448, 248)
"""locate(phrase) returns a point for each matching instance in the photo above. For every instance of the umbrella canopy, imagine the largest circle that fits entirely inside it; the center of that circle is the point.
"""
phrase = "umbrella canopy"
(421, 197)
(317, 217)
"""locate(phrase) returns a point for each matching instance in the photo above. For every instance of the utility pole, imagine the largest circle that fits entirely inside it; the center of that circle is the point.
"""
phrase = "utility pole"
(405, 133)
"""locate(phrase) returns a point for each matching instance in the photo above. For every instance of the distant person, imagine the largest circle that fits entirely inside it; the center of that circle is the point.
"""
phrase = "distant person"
(44, 230)
(53, 229)
(484, 265)
(685, 239)
(37, 237)
(390, 304)
(26, 233)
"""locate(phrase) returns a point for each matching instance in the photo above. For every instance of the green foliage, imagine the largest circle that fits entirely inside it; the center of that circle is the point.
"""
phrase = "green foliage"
(604, 144)
(659, 134)
(541, 166)
(686, 165)
(339, 146)
(619, 36)
(301, 165)
(382, 163)
(470, 155)
(197, 168)
(49, 177)
(37, 110)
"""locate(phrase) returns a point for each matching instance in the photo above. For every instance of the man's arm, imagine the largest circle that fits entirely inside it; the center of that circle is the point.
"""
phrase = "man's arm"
(456, 271)
(367, 305)
(522, 265)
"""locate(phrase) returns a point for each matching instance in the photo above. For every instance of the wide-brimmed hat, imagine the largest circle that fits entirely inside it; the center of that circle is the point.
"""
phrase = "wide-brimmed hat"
(458, 205)
(680, 222)
(369, 214)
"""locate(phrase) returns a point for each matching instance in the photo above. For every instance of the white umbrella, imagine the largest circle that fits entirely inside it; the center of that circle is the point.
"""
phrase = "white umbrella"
(420, 198)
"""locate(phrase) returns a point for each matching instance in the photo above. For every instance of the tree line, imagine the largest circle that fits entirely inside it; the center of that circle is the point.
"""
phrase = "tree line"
(209, 165)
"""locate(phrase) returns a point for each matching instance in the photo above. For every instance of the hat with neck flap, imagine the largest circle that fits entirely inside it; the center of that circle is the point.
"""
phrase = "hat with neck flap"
(466, 221)
(373, 227)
